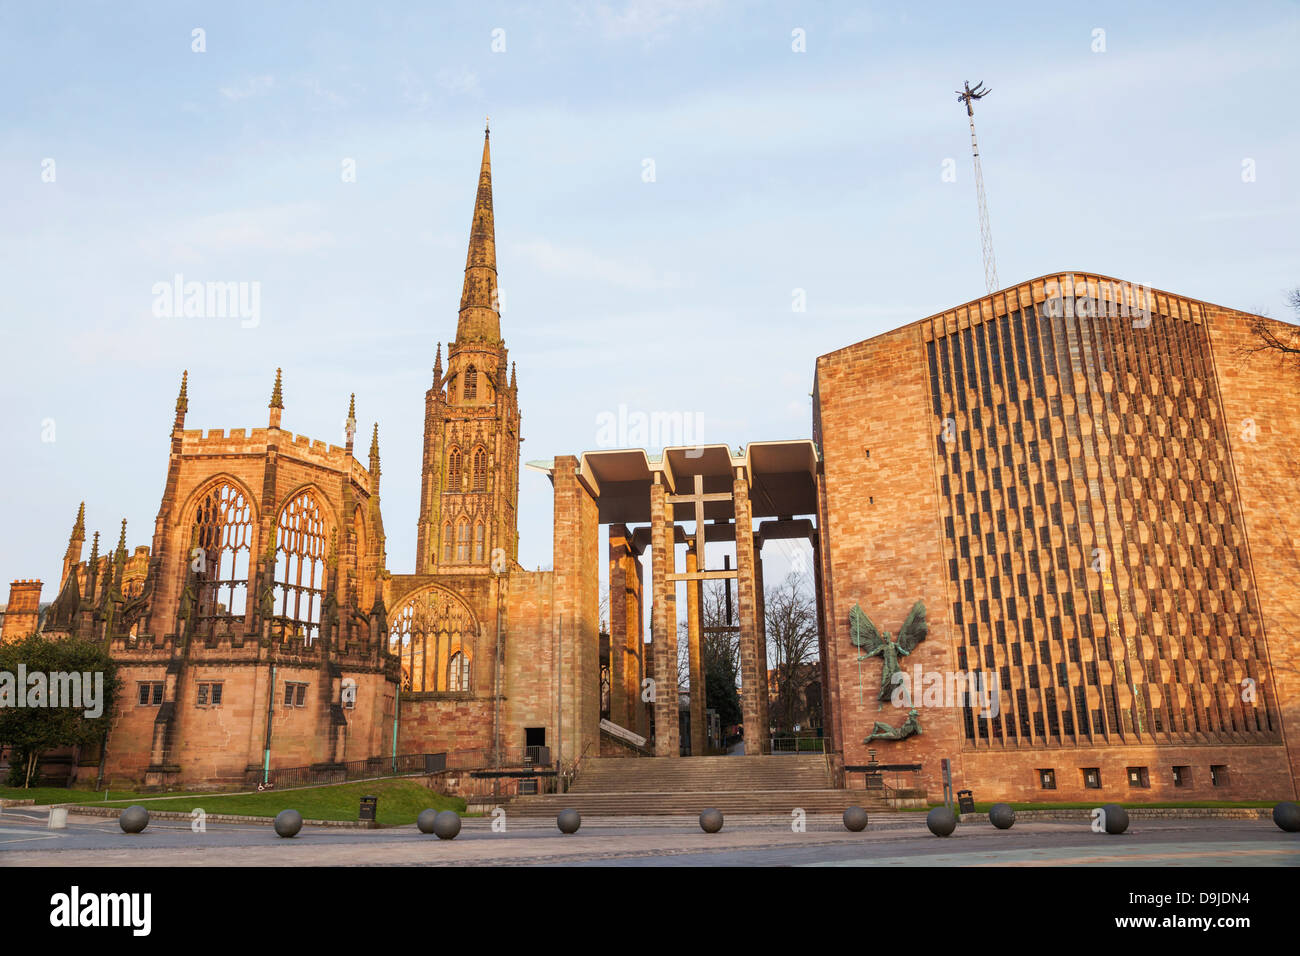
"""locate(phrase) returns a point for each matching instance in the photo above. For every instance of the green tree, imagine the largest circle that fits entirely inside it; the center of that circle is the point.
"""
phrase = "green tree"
(32, 731)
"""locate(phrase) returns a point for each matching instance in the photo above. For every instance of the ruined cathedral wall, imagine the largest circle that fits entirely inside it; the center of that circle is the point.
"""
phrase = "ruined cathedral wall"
(530, 677)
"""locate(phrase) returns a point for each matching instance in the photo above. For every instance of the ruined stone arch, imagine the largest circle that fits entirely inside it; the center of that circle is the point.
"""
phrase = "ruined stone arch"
(220, 521)
(303, 533)
(425, 632)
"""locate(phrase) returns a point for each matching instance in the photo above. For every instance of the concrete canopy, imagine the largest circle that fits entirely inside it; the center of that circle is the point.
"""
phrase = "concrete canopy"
(782, 476)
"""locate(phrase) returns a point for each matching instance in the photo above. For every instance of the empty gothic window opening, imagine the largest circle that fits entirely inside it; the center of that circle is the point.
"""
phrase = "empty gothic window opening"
(479, 541)
(458, 672)
(470, 389)
(446, 542)
(223, 527)
(424, 629)
(299, 568)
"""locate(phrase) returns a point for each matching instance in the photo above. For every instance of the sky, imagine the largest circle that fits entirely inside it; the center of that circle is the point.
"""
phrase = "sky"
(671, 179)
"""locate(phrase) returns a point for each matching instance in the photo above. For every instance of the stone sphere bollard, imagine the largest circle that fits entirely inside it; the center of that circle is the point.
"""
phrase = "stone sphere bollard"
(446, 824)
(425, 820)
(133, 819)
(1002, 816)
(1116, 818)
(941, 821)
(288, 823)
(1287, 816)
(855, 819)
(711, 820)
(568, 821)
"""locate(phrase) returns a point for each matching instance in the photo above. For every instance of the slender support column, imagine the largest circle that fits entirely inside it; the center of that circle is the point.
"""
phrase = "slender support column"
(619, 709)
(760, 624)
(753, 685)
(694, 624)
(664, 634)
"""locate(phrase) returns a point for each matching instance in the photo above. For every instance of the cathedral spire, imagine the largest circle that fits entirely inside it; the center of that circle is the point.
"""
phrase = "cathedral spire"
(374, 451)
(92, 568)
(79, 526)
(480, 319)
(350, 426)
(182, 400)
(277, 401)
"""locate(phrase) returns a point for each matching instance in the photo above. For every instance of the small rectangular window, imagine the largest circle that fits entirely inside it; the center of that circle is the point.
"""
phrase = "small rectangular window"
(209, 694)
(1092, 778)
(1047, 779)
(151, 693)
(1137, 777)
(1182, 776)
(295, 694)
(1218, 775)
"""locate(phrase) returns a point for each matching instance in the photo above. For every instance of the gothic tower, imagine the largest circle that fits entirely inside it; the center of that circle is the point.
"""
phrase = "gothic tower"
(470, 481)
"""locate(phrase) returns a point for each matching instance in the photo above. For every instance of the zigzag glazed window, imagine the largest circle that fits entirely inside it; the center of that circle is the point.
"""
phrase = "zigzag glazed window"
(299, 569)
(223, 528)
(1091, 467)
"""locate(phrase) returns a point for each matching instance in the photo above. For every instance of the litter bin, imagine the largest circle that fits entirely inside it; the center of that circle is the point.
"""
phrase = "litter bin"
(965, 801)
(369, 808)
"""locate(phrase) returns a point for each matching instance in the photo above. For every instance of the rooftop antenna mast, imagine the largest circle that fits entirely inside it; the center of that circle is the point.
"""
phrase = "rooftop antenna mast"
(969, 96)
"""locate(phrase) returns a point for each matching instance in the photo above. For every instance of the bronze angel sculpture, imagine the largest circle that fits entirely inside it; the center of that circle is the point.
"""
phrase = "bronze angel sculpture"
(872, 643)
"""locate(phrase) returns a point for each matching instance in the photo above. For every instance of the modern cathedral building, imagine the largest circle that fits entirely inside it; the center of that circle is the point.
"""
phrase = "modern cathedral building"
(1087, 485)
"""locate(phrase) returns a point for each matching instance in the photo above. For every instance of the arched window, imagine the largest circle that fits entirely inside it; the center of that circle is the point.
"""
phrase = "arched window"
(446, 542)
(479, 535)
(453, 469)
(423, 632)
(223, 529)
(480, 469)
(470, 389)
(462, 541)
(458, 672)
(299, 568)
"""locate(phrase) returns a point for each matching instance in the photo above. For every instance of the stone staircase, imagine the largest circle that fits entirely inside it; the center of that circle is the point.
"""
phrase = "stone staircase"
(658, 786)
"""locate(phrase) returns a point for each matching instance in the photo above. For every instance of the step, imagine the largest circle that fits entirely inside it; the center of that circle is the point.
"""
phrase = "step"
(659, 804)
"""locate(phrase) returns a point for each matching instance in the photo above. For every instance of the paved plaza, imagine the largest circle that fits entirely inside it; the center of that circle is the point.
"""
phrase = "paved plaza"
(898, 839)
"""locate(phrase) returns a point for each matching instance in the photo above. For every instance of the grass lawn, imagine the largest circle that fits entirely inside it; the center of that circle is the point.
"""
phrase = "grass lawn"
(400, 801)
(45, 795)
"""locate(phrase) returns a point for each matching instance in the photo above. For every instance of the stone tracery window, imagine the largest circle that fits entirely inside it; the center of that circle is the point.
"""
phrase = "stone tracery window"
(223, 529)
(462, 541)
(453, 469)
(470, 389)
(429, 633)
(480, 469)
(446, 542)
(479, 538)
(299, 568)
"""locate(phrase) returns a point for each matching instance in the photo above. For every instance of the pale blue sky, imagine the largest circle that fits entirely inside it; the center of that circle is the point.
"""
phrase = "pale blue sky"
(775, 170)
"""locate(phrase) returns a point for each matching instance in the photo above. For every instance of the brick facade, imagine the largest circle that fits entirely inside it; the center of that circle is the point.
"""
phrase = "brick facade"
(1083, 520)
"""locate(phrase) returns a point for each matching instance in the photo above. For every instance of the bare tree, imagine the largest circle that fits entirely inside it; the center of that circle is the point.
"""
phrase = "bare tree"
(791, 621)
(1281, 338)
